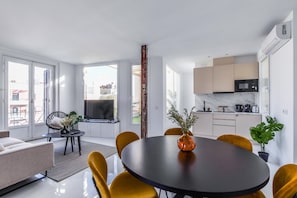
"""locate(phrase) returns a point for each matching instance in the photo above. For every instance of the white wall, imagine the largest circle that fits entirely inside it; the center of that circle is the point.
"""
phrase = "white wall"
(156, 89)
(282, 100)
(67, 89)
(281, 103)
(187, 91)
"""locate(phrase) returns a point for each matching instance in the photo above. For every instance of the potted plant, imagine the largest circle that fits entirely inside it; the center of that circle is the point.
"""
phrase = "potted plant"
(70, 121)
(264, 132)
(185, 121)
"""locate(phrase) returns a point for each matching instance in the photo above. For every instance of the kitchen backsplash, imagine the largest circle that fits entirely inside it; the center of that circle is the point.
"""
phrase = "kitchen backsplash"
(213, 101)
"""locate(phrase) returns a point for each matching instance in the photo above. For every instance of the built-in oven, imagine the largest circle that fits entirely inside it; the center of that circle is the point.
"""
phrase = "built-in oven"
(246, 85)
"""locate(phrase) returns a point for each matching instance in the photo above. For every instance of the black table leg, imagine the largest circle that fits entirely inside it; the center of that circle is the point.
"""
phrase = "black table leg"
(79, 147)
(178, 196)
(65, 145)
(71, 140)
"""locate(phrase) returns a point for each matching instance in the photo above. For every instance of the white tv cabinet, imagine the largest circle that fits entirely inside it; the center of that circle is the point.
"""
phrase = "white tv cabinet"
(104, 129)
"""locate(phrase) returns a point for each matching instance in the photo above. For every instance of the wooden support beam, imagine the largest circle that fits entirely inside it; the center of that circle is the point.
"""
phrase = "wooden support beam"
(143, 91)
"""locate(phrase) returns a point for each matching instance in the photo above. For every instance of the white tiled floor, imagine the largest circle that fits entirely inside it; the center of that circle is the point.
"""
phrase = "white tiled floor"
(81, 184)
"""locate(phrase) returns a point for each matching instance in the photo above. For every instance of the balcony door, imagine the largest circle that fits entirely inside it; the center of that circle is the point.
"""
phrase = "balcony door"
(28, 97)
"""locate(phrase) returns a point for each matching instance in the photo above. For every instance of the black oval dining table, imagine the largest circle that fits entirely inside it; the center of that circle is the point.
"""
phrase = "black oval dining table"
(213, 169)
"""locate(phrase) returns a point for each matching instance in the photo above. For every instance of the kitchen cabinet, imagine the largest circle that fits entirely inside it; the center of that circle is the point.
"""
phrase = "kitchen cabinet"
(244, 122)
(223, 78)
(203, 125)
(224, 123)
(245, 71)
(214, 124)
(100, 129)
(203, 80)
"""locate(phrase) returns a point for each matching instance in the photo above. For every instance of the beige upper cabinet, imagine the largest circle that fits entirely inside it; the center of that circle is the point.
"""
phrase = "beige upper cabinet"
(223, 78)
(245, 71)
(203, 80)
(220, 77)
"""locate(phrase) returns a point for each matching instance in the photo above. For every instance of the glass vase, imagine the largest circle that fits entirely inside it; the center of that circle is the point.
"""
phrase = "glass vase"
(186, 142)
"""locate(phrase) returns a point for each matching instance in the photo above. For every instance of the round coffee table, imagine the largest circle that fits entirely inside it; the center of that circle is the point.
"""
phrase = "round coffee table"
(72, 134)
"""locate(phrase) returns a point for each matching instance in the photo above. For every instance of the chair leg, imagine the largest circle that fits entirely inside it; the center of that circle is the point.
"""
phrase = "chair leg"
(160, 192)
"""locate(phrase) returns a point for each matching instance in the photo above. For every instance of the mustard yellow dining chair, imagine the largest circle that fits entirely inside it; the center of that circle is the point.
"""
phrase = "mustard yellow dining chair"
(175, 131)
(244, 143)
(123, 139)
(123, 185)
(285, 182)
(237, 140)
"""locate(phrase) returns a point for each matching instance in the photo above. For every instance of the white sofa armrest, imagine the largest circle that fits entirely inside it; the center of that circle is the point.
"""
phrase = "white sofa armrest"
(25, 161)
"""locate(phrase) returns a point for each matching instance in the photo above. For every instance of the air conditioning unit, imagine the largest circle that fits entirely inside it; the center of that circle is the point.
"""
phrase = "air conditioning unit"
(278, 36)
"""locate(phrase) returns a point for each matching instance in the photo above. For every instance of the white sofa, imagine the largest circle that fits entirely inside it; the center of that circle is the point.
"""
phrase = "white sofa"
(20, 160)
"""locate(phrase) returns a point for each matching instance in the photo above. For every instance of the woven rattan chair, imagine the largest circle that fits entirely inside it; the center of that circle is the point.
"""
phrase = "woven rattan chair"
(53, 122)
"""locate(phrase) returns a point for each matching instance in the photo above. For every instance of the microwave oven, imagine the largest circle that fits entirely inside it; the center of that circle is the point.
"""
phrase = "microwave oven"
(246, 85)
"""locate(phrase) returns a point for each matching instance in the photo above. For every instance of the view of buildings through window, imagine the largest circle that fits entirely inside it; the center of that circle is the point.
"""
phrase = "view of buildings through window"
(172, 88)
(100, 83)
(136, 94)
(18, 94)
(25, 98)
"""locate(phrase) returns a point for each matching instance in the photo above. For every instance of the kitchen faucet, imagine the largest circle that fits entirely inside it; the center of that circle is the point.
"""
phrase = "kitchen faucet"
(204, 106)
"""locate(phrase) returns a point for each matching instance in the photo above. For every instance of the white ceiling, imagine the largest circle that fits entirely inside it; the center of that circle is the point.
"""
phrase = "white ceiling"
(184, 33)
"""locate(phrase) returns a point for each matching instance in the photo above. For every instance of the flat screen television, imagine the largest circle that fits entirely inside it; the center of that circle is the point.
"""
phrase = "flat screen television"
(99, 109)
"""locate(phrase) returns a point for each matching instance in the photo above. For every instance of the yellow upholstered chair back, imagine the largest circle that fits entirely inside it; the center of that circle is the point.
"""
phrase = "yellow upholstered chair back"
(237, 140)
(123, 185)
(285, 182)
(123, 139)
(98, 166)
(175, 131)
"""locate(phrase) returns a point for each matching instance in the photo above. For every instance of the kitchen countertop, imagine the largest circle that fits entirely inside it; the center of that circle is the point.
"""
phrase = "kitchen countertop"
(229, 112)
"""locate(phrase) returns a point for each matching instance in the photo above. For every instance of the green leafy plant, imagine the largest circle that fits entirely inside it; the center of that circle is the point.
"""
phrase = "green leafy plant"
(264, 132)
(185, 120)
(75, 118)
(71, 119)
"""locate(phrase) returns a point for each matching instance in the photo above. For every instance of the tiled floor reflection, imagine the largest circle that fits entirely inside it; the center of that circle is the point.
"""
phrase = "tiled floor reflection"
(81, 185)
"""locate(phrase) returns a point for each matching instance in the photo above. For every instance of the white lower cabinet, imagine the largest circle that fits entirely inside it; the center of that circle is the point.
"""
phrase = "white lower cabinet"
(245, 122)
(100, 129)
(203, 126)
(223, 123)
(216, 124)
